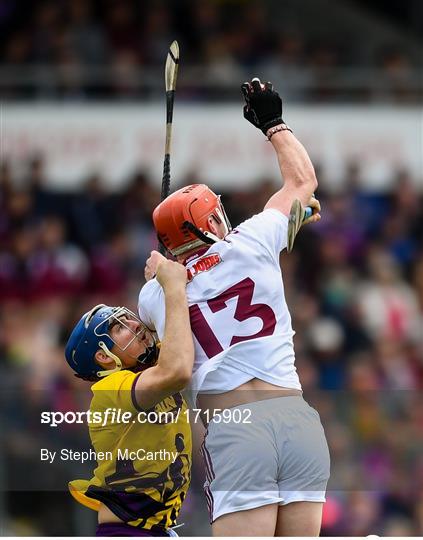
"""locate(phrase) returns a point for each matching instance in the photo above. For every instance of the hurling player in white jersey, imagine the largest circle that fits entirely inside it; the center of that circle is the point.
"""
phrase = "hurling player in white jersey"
(267, 464)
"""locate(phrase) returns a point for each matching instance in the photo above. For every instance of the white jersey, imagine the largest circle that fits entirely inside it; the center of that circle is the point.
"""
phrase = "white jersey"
(239, 317)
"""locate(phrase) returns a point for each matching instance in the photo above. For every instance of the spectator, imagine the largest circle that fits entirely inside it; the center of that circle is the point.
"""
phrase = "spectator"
(387, 304)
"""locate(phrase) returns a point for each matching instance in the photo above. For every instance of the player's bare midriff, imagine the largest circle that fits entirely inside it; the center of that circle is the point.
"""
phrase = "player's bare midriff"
(254, 390)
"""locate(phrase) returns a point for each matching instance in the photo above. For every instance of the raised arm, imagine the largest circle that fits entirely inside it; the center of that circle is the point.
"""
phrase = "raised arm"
(174, 366)
(264, 110)
(297, 171)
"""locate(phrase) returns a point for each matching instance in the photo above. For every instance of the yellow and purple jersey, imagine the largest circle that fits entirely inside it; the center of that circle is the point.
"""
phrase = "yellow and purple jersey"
(143, 457)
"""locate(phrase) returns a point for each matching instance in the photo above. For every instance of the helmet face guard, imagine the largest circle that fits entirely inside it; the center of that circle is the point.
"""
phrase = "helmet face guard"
(119, 316)
(220, 214)
(93, 332)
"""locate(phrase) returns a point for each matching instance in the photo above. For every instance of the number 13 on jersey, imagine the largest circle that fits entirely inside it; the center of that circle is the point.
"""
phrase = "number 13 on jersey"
(244, 310)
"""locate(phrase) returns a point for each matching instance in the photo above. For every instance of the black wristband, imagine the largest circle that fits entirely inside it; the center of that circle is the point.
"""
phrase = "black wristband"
(271, 123)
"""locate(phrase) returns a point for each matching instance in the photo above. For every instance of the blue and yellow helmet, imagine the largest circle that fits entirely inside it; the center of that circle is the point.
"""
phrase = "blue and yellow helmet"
(92, 333)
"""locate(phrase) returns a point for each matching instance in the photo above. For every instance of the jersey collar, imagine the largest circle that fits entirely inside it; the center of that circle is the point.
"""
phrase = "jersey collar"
(195, 255)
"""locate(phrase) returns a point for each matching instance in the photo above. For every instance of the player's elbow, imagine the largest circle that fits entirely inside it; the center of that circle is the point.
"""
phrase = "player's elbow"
(182, 382)
(181, 378)
(180, 374)
(309, 178)
(308, 184)
(304, 179)
(184, 374)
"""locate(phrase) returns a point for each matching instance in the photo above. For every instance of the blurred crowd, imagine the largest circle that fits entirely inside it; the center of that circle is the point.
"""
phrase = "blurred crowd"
(354, 285)
(87, 49)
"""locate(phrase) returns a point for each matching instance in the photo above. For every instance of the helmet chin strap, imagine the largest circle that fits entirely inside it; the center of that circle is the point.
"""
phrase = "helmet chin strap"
(111, 355)
(204, 237)
(144, 360)
(148, 357)
(212, 237)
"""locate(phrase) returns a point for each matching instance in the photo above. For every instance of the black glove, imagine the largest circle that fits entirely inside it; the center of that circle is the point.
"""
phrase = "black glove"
(263, 105)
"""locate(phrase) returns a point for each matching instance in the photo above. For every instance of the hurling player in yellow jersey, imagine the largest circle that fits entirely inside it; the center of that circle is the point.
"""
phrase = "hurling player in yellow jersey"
(144, 457)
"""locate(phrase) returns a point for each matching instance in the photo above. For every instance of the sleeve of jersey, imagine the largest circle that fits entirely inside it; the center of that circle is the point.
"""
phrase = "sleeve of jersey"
(123, 388)
(267, 230)
(150, 302)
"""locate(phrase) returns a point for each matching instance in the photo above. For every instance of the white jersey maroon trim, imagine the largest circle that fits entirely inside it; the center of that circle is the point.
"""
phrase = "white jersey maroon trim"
(239, 317)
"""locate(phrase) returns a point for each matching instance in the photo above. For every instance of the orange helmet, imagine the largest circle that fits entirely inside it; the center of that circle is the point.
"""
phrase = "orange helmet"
(181, 220)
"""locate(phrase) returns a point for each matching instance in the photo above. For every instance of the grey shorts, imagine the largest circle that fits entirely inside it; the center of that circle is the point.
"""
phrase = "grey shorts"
(280, 457)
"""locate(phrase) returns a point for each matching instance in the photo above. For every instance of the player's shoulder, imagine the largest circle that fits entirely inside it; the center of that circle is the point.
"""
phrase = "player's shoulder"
(269, 215)
(150, 301)
(150, 295)
(260, 223)
(265, 233)
(151, 286)
(150, 289)
(115, 390)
